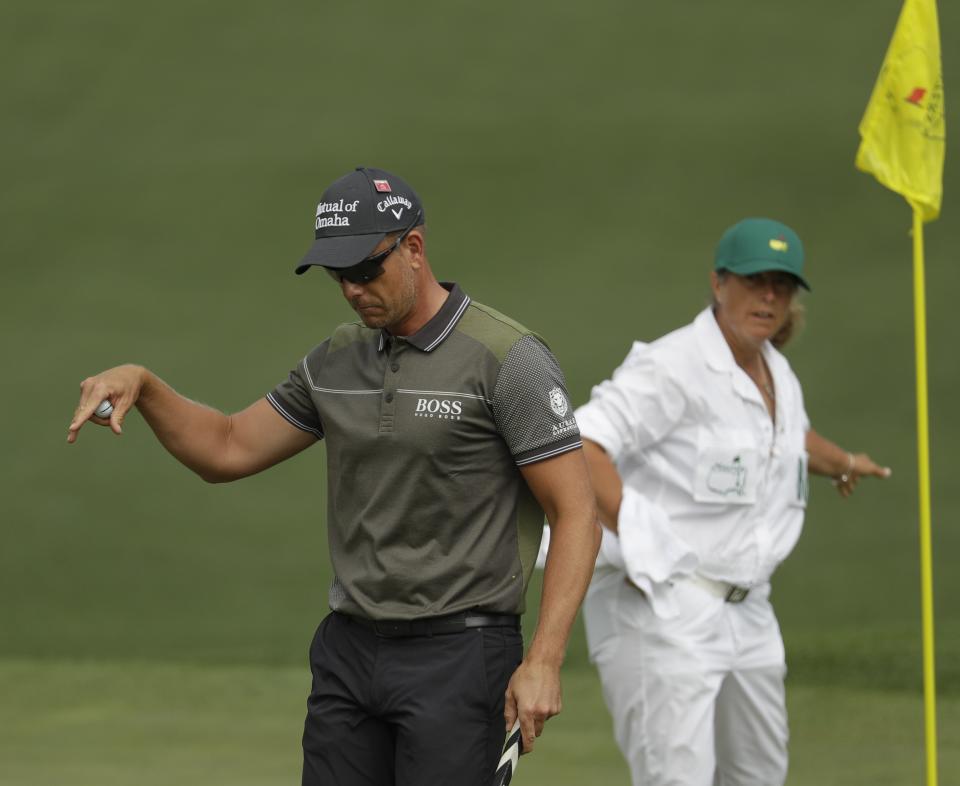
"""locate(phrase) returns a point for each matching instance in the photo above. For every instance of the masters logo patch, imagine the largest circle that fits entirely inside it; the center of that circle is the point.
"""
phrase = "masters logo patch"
(728, 478)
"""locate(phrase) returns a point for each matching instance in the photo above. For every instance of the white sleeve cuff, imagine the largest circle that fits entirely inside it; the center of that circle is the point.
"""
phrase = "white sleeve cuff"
(597, 428)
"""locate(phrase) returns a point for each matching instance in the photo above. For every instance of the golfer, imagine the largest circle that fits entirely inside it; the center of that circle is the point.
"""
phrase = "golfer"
(699, 449)
(449, 434)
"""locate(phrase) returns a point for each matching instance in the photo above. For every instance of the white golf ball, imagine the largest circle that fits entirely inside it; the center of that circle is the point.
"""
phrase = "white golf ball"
(104, 410)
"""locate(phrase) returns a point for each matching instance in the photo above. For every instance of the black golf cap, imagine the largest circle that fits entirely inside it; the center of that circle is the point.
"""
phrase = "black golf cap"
(356, 213)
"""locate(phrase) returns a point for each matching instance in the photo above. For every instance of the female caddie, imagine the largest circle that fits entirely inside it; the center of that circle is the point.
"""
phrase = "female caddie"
(699, 449)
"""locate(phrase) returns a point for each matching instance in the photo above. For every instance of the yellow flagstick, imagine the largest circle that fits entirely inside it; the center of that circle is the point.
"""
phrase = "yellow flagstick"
(902, 144)
(923, 450)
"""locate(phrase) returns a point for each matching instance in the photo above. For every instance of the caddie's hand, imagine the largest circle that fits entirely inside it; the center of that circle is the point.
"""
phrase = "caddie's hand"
(120, 386)
(861, 466)
(534, 694)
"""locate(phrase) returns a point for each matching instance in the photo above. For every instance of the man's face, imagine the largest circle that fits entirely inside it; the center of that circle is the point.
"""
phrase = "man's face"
(754, 307)
(389, 299)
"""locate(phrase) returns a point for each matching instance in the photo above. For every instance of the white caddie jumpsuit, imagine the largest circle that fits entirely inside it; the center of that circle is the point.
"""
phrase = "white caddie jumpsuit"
(713, 500)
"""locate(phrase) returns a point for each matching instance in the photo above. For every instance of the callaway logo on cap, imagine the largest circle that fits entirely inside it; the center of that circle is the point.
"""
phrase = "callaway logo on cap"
(355, 213)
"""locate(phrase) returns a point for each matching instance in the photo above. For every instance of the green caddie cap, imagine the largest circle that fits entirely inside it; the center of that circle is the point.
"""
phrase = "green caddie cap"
(756, 245)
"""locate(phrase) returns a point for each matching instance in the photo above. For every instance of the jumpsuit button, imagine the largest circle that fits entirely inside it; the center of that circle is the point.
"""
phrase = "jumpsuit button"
(389, 397)
(395, 367)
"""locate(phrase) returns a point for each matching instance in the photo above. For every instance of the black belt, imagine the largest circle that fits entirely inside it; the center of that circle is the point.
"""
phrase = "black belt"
(436, 626)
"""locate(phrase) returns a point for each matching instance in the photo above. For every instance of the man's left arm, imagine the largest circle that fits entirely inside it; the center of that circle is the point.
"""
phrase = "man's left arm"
(562, 487)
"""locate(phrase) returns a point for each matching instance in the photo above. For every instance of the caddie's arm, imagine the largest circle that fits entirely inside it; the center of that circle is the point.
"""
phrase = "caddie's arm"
(606, 482)
(562, 488)
(827, 458)
(218, 447)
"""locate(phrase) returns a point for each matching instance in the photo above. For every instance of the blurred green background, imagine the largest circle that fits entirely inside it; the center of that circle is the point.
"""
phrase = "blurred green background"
(578, 162)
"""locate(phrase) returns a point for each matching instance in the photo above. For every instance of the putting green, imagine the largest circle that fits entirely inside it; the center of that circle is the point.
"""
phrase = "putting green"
(113, 724)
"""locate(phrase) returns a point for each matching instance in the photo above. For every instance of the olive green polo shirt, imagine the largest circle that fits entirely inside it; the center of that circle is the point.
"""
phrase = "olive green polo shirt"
(427, 511)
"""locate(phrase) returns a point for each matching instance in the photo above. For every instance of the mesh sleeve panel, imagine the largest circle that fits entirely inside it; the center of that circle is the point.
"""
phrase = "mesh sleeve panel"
(531, 406)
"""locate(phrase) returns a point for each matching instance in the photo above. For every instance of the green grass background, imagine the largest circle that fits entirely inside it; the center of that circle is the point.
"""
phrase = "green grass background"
(160, 166)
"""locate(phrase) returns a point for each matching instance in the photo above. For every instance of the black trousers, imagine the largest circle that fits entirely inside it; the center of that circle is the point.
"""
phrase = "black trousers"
(406, 711)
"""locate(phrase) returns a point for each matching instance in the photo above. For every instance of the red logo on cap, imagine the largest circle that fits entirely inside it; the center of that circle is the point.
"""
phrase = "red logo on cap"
(381, 185)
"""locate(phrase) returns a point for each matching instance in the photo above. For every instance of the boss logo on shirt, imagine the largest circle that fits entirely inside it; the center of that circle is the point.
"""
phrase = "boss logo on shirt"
(442, 408)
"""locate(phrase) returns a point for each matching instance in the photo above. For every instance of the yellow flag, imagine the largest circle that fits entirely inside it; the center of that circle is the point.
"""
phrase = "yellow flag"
(903, 132)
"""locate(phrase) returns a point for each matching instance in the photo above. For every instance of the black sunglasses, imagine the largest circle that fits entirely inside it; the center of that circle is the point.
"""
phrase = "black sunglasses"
(366, 270)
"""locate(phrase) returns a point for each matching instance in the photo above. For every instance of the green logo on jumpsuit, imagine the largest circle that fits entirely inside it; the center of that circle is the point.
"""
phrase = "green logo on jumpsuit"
(728, 478)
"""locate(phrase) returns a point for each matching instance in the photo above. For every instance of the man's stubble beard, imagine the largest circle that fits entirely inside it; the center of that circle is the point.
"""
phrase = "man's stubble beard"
(401, 308)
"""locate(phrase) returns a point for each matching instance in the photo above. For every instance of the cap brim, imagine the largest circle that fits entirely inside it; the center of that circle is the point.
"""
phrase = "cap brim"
(762, 266)
(339, 252)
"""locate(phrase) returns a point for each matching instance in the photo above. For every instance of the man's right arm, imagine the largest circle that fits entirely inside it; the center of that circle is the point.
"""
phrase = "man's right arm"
(216, 446)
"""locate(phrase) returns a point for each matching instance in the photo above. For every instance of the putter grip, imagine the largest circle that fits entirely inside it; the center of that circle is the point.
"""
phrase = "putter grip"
(508, 759)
